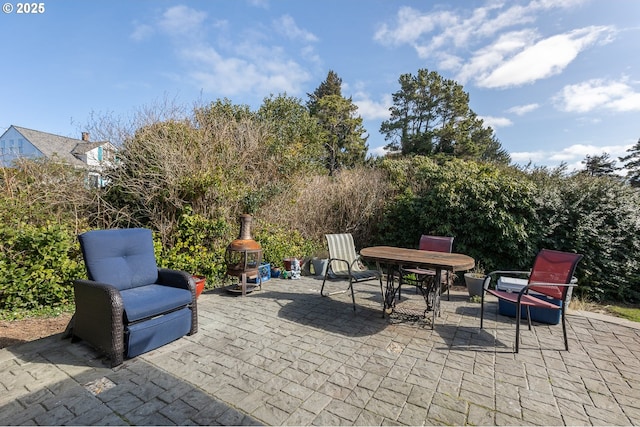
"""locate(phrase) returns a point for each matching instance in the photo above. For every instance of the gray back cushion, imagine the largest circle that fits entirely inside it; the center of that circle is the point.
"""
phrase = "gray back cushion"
(123, 258)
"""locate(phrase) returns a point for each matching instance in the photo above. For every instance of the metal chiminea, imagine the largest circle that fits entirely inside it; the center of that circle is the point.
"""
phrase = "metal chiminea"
(243, 255)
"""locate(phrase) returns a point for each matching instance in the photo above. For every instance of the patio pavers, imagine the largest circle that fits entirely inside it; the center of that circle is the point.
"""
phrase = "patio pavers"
(287, 356)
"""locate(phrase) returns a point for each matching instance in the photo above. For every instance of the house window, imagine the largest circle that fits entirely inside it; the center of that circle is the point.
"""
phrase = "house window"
(20, 144)
(100, 154)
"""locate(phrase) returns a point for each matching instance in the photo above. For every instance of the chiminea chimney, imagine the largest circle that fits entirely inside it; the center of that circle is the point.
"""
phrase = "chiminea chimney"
(85, 136)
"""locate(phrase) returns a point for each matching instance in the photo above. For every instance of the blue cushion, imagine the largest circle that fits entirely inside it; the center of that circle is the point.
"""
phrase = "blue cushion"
(151, 300)
(145, 336)
(123, 258)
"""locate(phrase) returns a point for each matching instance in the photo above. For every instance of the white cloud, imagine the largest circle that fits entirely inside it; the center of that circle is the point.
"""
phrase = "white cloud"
(247, 62)
(264, 4)
(141, 32)
(233, 75)
(449, 62)
(411, 25)
(181, 20)
(288, 27)
(617, 96)
(506, 47)
(492, 56)
(496, 122)
(520, 110)
(543, 59)
(378, 152)
(572, 155)
(369, 109)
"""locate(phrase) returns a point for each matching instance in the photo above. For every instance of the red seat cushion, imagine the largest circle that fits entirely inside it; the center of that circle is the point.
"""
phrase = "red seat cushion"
(527, 300)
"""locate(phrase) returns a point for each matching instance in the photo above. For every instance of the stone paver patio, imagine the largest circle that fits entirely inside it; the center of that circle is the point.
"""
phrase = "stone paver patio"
(286, 356)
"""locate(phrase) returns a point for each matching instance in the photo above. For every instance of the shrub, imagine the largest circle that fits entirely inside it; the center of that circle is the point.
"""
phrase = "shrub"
(348, 202)
(504, 216)
(279, 242)
(197, 247)
(37, 266)
(598, 217)
(489, 211)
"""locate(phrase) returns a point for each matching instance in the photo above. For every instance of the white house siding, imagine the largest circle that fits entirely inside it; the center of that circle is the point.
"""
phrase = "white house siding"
(95, 157)
(13, 145)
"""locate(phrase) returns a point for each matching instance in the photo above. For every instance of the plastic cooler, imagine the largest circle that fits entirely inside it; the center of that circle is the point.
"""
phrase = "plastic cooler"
(541, 315)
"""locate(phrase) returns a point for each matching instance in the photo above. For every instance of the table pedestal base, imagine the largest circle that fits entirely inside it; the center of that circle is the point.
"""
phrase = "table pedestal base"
(430, 293)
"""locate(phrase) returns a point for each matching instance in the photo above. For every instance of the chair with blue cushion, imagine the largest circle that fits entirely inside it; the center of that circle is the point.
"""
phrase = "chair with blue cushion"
(128, 305)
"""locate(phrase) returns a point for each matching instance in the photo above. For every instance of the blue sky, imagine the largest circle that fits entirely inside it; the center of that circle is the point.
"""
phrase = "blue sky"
(557, 80)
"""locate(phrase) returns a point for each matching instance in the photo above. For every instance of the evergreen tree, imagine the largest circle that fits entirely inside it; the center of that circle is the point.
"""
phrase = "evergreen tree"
(344, 140)
(632, 164)
(331, 86)
(599, 165)
(431, 115)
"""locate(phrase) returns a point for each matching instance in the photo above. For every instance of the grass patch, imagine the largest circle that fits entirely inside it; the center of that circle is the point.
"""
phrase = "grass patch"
(625, 311)
(630, 313)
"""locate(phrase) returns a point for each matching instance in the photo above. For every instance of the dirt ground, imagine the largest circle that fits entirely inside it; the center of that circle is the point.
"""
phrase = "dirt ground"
(17, 331)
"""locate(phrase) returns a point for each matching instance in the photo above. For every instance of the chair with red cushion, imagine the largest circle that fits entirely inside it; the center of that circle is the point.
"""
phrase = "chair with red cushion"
(427, 243)
(550, 276)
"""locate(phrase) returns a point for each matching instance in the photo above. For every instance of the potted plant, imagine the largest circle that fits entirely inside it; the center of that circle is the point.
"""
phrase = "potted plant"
(201, 282)
(475, 281)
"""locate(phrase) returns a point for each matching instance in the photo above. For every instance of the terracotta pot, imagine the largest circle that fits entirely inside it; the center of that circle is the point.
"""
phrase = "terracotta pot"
(201, 281)
(287, 263)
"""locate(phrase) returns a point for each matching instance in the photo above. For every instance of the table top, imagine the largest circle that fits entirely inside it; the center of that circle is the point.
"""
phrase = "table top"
(428, 259)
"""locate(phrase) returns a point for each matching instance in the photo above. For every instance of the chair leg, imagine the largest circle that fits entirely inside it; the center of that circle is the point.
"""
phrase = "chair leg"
(564, 331)
(323, 281)
(353, 297)
(518, 314)
(116, 359)
(448, 286)
(386, 292)
(481, 309)
(529, 317)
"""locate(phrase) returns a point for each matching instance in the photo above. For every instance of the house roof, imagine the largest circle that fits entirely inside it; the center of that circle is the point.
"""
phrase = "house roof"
(63, 147)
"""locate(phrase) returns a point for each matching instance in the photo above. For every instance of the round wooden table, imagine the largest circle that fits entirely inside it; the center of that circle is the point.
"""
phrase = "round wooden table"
(395, 257)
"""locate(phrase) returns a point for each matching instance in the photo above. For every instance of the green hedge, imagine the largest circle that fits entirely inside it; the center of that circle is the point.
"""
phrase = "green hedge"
(503, 216)
(199, 246)
(37, 266)
(490, 213)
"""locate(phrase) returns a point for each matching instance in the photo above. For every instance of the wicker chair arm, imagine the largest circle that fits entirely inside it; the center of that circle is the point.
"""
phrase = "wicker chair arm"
(99, 316)
(176, 279)
(183, 280)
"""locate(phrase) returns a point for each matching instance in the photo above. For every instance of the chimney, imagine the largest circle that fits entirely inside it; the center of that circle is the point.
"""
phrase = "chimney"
(85, 136)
